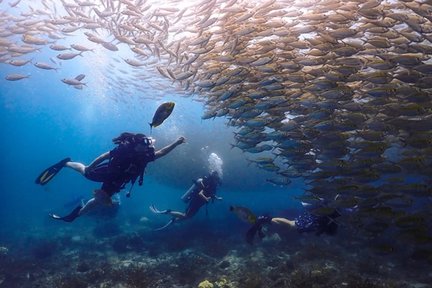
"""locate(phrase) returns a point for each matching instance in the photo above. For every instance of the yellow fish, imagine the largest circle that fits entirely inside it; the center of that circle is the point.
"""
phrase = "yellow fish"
(162, 113)
(244, 214)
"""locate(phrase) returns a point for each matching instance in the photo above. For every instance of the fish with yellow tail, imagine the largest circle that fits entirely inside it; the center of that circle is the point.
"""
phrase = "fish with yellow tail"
(245, 214)
(162, 113)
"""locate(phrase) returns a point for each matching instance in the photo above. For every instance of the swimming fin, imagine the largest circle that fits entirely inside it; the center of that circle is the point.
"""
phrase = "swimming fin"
(166, 225)
(250, 234)
(68, 218)
(50, 172)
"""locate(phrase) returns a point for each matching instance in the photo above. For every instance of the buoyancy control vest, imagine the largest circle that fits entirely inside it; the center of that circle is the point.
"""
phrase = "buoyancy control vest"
(205, 184)
(193, 190)
(129, 159)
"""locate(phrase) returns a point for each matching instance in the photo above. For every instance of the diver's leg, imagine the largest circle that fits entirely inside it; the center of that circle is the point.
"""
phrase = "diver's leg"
(77, 166)
(176, 214)
(93, 202)
(283, 221)
(101, 197)
(192, 209)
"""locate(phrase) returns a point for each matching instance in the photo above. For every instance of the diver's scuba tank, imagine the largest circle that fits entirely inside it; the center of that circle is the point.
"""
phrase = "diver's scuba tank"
(195, 188)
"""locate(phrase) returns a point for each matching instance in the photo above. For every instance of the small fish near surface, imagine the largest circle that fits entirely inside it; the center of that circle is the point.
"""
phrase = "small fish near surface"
(162, 113)
(72, 81)
(44, 66)
(16, 77)
(279, 181)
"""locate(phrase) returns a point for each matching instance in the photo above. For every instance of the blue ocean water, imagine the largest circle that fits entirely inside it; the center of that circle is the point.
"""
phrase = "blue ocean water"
(44, 120)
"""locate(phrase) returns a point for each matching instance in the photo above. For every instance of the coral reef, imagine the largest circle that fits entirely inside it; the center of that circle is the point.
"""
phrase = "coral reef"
(139, 259)
(107, 229)
(127, 243)
(43, 249)
(4, 251)
(205, 284)
(224, 283)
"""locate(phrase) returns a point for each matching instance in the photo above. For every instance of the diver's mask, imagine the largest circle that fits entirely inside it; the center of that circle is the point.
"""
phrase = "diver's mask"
(149, 141)
(145, 143)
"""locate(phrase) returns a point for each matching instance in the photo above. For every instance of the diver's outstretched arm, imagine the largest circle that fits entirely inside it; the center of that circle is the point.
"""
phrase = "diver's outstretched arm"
(164, 151)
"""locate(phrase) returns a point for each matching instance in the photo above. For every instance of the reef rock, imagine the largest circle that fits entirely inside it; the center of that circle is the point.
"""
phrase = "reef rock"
(4, 251)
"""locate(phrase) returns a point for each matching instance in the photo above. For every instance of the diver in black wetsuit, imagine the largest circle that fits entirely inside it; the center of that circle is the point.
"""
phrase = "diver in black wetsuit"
(122, 165)
(202, 191)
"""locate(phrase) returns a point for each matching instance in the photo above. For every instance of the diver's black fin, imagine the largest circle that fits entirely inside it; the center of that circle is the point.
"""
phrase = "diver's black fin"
(252, 232)
(166, 225)
(50, 172)
(261, 233)
(68, 218)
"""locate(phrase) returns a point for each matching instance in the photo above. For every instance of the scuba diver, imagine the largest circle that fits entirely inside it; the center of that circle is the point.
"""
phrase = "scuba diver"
(115, 168)
(304, 223)
(200, 193)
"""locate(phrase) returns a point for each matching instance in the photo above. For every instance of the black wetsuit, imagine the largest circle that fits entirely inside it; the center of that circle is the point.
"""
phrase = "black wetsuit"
(124, 165)
(196, 201)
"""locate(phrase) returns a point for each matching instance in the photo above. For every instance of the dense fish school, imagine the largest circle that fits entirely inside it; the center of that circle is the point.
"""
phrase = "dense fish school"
(337, 92)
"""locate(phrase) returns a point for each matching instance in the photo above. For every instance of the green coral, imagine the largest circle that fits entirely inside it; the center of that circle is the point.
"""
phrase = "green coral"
(205, 284)
(223, 283)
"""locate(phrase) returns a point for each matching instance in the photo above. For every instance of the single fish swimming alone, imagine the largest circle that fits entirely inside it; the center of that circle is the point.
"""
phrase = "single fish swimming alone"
(162, 113)
(244, 214)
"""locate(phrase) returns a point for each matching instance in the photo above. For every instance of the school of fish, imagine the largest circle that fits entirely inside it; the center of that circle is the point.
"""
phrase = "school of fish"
(337, 92)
